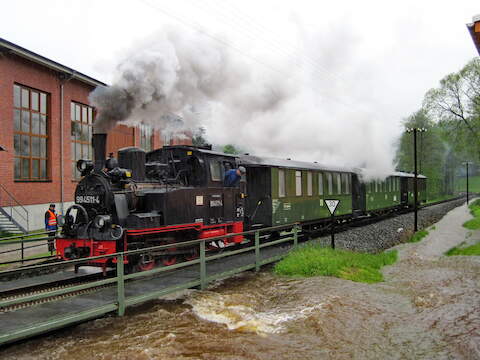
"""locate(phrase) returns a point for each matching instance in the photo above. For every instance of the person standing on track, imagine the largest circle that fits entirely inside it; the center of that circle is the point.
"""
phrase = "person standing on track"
(51, 225)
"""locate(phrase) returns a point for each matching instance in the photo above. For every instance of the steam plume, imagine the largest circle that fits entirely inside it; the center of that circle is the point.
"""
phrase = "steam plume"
(188, 76)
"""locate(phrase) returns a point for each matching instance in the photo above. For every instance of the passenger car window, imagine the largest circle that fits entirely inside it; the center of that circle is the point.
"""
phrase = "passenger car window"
(329, 183)
(298, 183)
(320, 184)
(281, 183)
(339, 183)
(309, 184)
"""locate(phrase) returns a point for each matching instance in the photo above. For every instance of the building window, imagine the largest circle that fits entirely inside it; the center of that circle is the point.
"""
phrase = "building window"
(281, 183)
(81, 135)
(146, 137)
(298, 183)
(30, 116)
(320, 184)
(309, 184)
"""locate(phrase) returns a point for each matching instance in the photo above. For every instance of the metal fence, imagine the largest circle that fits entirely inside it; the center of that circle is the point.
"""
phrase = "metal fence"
(22, 241)
(291, 235)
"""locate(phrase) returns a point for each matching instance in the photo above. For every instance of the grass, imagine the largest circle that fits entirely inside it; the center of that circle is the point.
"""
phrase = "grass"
(314, 260)
(470, 250)
(419, 235)
(474, 224)
(473, 184)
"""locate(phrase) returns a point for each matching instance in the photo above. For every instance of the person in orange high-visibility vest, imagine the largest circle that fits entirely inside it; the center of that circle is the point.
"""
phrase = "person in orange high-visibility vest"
(51, 225)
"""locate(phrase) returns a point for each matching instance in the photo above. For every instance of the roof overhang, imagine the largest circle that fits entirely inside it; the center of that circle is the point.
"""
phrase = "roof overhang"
(474, 29)
(70, 73)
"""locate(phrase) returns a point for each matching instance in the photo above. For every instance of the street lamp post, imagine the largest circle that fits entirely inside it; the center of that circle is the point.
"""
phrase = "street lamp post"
(466, 166)
(415, 182)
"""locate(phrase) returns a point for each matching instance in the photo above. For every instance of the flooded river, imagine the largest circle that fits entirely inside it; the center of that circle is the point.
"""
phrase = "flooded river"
(428, 308)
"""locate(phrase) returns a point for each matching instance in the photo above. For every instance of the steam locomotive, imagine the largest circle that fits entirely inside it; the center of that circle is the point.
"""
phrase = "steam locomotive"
(176, 194)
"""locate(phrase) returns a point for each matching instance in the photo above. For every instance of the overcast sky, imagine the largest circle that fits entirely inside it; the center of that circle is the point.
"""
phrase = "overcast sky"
(372, 56)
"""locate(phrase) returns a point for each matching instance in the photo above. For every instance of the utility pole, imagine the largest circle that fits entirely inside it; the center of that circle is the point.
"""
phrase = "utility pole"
(415, 172)
(466, 166)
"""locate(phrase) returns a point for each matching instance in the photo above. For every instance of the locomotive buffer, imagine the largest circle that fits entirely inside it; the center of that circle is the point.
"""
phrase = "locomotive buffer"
(332, 206)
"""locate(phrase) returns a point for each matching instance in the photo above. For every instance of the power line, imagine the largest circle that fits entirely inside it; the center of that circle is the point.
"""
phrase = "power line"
(198, 27)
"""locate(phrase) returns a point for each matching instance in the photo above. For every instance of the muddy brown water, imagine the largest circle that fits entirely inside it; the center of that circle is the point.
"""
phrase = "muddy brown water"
(428, 308)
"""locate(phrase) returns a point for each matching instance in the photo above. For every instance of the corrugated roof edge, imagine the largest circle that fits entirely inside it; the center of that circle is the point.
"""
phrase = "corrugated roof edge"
(42, 60)
(250, 160)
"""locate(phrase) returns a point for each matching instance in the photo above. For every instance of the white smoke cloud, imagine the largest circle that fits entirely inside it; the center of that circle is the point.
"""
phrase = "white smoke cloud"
(288, 111)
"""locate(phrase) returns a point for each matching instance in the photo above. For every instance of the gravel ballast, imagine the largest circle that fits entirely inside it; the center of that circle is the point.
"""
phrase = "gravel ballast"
(384, 234)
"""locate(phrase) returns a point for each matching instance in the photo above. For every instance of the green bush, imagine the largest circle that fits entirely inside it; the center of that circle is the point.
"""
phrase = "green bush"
(314, 260)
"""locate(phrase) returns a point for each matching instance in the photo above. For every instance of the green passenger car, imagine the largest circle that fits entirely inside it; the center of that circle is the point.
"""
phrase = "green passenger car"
(285, 191)
(382, 194)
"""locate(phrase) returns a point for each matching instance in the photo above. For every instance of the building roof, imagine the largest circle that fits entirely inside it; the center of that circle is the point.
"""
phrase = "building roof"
(9, 47)
(474, 29)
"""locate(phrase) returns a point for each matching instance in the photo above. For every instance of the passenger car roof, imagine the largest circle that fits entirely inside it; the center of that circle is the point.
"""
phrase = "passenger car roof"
(250, 160)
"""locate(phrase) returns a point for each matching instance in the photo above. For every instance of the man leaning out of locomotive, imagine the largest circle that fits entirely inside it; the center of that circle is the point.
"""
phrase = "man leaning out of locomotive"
(233, 176)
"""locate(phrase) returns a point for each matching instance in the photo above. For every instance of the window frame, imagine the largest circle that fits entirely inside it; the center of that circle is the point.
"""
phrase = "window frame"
(146, 137)
(215, 162)
(79, 120)
(338, 181)
(320, 184)
(298, 183)
(281, 184)
(309, 183)
(24, 104)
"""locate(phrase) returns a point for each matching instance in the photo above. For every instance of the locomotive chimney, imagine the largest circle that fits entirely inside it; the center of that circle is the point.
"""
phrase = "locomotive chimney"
(99, 143)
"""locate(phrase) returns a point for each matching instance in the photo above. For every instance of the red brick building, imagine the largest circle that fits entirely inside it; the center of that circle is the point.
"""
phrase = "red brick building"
(45, 127)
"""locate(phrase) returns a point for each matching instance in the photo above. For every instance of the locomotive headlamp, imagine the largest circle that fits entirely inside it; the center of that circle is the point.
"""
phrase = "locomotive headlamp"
(101, 220)
(84, 166)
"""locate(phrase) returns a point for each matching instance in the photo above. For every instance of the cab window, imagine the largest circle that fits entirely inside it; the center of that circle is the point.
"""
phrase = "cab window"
(215, 171)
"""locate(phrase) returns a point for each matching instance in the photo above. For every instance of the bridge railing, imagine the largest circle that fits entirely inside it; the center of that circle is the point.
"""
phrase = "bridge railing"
(290, 235)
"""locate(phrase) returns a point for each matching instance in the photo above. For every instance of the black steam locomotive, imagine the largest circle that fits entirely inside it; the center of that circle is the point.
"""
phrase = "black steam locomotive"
(141, 200)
